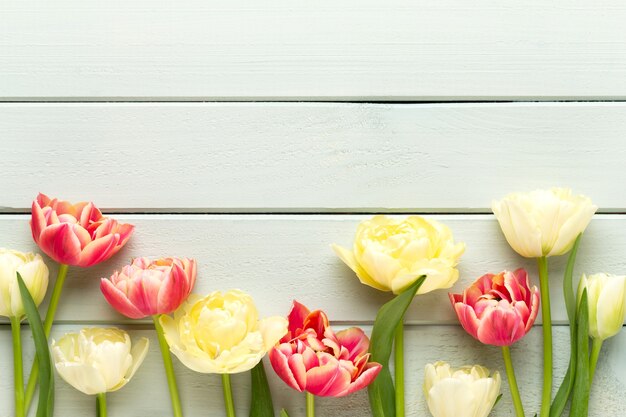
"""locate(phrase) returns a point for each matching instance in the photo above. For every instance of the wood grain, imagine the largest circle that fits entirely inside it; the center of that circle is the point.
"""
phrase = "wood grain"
(281, 258)
(286, 157)
(146, 395)
(358, 50)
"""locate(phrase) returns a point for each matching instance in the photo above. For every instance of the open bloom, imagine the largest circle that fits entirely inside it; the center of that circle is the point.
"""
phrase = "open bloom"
(98, 360)
(312, 358)
(498, 309)
(33, 271)
(148, 287)
(221, 333)
(465, 392)
(607, 303)
(543, 222)
(390, 254)
(76, 234)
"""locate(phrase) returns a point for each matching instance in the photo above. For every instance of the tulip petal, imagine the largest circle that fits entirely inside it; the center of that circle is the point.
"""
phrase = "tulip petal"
(500, 327)
(138, 352)
(467, 317)
(355, 340)
(611, 307)
(329, 380)
(349, 259)
(99, 250)
(118, 300)
(280, 363)
(59, 241)
(451, 397)
(83, 377)
(370, 372)
(272, 329)
(37, 222)
(171, 291)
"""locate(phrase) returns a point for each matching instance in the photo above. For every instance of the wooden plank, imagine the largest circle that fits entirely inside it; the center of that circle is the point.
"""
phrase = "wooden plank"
(281, 258)
(146, 395)
(216, 157)
(358, 50)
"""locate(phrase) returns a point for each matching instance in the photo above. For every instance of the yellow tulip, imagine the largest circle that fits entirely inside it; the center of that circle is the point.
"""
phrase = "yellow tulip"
(98, 360)
(390, 254)
(221, 333)
(34, 273)
(543, 222)
(607, 303)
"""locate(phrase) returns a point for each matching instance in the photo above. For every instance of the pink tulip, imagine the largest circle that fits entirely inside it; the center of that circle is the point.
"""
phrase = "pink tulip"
(312, 358)
(145, 288)
(498, 309)
(76, 234)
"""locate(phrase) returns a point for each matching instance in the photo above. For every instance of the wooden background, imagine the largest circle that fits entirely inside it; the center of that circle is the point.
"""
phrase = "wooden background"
(253, 134)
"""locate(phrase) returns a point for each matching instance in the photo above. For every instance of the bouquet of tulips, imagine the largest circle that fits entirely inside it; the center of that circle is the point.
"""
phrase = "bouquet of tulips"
(221, 332)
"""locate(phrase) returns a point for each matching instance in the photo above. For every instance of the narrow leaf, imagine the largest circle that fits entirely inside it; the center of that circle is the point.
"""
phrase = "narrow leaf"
(283, 413)
(45, 407)
(563, 394)
(381, 391)
(580, 395)
(261, 403)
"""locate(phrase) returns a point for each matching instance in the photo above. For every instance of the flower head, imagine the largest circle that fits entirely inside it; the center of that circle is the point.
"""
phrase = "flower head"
(390, 254)
(607, 303)
(98, 360)
(498, 309)
(33, 271)
(76, 234)
(469, 391)
(312, 358)
(221, 333)
(148, 287)
(543, 222)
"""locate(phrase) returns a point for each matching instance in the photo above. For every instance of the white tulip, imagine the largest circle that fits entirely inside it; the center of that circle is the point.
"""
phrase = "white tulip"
(98, 360)
(34, 273)
(465, 392)
(543, 222)
(606, 295)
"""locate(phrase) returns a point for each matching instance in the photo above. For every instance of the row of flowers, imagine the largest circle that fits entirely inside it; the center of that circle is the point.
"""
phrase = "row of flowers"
(221, 332)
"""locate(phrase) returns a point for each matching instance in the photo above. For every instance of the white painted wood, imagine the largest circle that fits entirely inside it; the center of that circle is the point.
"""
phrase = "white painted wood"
(281, 49)
(278, 258)
(309, 157)
(146, 395)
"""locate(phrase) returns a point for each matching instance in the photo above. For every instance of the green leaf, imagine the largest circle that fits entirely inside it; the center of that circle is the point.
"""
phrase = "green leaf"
(261, 403)
(580, 395)
(381, 391)
(283, 413)
(563, 394)
(497, 400)
(45, 407)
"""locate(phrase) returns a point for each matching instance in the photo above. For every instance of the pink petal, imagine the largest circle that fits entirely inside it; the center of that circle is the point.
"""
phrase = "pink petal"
(296, 318)
(143, 290)
(501, 327)
(42, 200)
(173, 290)
(61, 243)
(298, 370)
(88, 214)
(280, 364)
(329, 380)
(468, 319)
(369, 374)
(99, 250)
(534, 308)
(37, 221)
(355, 340)
(118, 300)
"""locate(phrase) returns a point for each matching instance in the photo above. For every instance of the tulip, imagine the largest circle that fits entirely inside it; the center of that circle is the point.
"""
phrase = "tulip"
(98, 360)
(33, 271)
(149, 287)
(312, 358)
(543, 222)
(498, 309)
(540, 224)
(76, 234)
(469, 391)
(607, 305)
(390, 254)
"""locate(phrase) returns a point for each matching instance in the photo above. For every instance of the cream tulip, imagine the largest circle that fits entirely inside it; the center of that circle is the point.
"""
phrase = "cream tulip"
(543, 222)
(607, 303)
(221, 333)
(469, 391)
(33, 271)
(98, 360)
(390, 254)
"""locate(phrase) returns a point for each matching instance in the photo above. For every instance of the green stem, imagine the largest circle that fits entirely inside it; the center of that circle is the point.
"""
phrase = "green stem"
(510, 374)
(399, 368)
(18, 369)
(546, 397)
(101, 404)
(169, 368)
(47, 326)
(310, 405)
(595, 353)
(228, 396)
